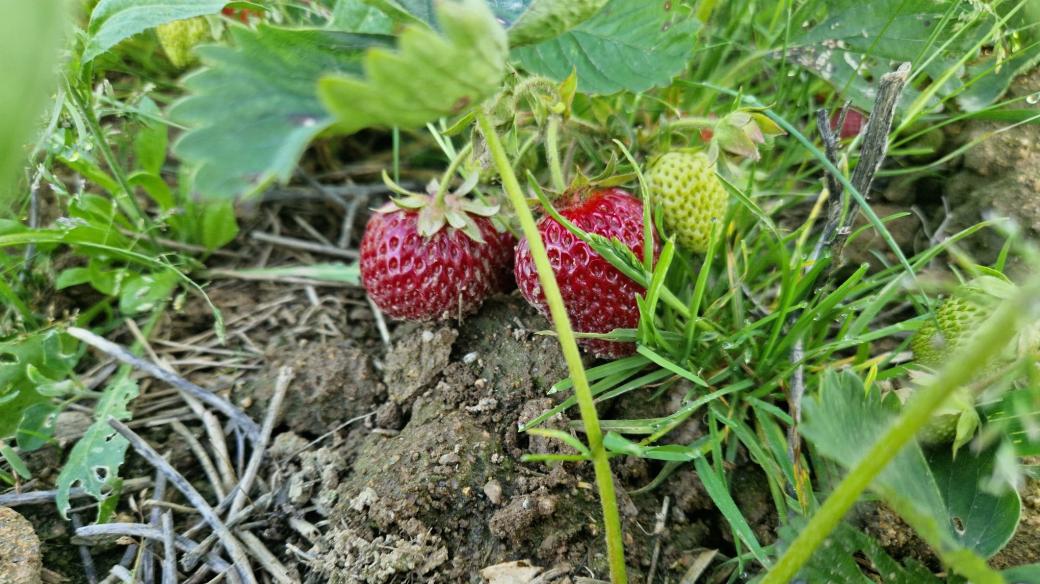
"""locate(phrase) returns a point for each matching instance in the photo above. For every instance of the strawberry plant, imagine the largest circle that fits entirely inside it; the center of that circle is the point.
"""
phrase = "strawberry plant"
(699, 199)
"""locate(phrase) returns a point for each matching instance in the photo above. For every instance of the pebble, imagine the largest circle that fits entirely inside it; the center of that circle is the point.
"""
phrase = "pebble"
(20, 556)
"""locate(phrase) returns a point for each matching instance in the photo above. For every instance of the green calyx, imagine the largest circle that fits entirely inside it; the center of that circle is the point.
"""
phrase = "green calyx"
(438, 207)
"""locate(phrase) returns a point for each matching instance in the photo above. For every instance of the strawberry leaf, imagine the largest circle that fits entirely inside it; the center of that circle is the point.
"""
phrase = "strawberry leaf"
(113, 21)
(628, 45)
(255, 109)
(527, 21)
(941, 497)
(430, 75)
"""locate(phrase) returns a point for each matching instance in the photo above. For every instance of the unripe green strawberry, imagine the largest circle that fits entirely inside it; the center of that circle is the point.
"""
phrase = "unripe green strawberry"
(179, 38)
(691, 197)
(953, 423)
(956, 320)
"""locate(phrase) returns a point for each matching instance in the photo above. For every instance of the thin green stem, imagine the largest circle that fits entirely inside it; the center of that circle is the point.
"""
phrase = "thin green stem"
(442, 189)
(569, 347)
(125, 199)
(991, 339)
(396, 144)
(552, 153)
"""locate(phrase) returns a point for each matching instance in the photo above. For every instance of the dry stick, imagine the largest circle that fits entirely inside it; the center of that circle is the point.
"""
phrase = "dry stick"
(281, 386)
(347, 230)
(200, 454)
(211, 399)
(158, 494)
(89, 571)
(268, 560)
(875, 143)
(169, 564)
(836, 230)
(104, 532)
(191, 558)
(41, 497)
(227, 539)
(304, 245)
(659, 522)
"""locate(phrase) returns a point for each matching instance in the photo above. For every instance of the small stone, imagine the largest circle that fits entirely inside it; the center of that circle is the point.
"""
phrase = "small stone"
(469, 358)
(20, 555)
(448, 459)
(493, 490)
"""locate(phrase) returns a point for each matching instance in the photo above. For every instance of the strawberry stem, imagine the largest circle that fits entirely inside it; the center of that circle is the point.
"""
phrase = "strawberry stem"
(552, 153)
(994, 335)
(569, 347)
(442, 188)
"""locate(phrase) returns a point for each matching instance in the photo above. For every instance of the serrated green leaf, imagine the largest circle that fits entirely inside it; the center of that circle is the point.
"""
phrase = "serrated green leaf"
(628, 45)
(858, 41)
(837, 561)
(46, 352)
(538, 20)
(845, 419)
(96, 458)
(360, 17)
(113, 21)
(255, 109)
(429, 76)
(980, 520)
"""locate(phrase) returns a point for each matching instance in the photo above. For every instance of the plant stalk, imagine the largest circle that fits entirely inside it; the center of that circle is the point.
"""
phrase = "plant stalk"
(960, 369)
(569, 347)
(552, 153)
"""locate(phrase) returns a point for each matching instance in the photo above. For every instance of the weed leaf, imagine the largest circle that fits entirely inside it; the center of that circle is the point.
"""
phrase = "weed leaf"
(94, 461)
(113, 21)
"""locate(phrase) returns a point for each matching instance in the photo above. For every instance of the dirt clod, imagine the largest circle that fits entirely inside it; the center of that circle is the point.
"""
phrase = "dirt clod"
(20, 559)
(334, 383)
(415, 361)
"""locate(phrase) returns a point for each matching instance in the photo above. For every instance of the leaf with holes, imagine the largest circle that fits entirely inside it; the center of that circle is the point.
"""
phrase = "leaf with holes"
(255, 108)
(981, 520)
(97, 456)
(115, 20)
(858, 41)
(628, 45)
(428, 76)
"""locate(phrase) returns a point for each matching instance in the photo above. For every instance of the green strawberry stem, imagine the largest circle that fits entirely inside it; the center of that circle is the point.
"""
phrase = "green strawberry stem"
(552, 153)
(442, 188)
(994, 335)
(569, 346)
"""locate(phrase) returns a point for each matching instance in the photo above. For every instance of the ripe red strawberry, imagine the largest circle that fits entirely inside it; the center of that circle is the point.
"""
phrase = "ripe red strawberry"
(854, 123)
(415, 266)
(598, 297)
